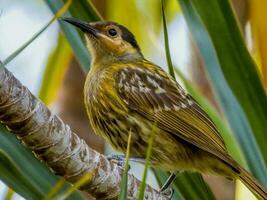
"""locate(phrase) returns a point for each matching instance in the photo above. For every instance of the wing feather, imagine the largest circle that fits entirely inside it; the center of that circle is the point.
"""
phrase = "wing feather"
(157, 97)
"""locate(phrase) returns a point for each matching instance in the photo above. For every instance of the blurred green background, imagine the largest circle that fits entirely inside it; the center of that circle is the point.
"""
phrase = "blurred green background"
(219, 50)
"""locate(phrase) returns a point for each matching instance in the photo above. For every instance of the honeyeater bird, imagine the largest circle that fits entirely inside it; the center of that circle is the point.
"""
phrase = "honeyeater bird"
(126, 93)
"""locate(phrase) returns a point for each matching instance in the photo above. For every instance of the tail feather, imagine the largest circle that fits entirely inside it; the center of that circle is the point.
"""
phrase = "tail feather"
(257, 189)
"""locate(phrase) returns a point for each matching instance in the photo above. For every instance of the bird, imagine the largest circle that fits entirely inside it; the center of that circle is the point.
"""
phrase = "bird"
(124, 92)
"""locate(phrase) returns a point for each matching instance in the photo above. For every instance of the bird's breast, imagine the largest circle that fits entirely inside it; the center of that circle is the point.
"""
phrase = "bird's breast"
(102, 102)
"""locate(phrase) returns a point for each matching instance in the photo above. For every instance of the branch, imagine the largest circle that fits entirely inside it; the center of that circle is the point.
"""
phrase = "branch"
(54, 143)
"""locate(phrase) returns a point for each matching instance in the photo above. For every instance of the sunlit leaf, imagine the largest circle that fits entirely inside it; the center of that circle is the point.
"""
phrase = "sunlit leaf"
(55, 190)
(235, 115)
(137, 26)
(172, 9)
(231, 144)
(161, 178)
(237, 65)
(60, 12)
(9, 195)
(142, 188)
(166, 42)
(258, 18)
(124, 180)
(19, 168)
(83, 10)
(242, 192)
(194, 179)
(56, 67)
(78, 184)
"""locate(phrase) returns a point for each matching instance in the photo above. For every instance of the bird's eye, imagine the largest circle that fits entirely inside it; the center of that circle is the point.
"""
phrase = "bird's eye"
(112, 32)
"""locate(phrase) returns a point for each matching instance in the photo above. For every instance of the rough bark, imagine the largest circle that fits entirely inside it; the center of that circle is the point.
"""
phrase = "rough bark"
(72, 110)
(55, 144)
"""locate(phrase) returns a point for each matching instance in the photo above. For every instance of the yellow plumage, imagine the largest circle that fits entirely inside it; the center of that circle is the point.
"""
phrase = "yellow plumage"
(124, 92)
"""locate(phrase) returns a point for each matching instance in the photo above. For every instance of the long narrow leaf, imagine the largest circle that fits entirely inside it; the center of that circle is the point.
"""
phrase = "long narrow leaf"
(78, 184)
(142, 188)
(124, 181)
(56, 67)
(10, 172)
(232, 110)
(197, 180)
(84, 9)
(55, 190)
(188, 185)
(237, 65)
(60, 12)
(166, 42)
(10, 194)
(81, 9)
(258, 24)
(161, 178)
(22, 171)
(18, 166)
(231, 144)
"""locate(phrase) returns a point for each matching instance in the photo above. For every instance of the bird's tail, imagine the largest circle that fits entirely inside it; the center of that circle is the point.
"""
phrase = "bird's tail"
(257, 189)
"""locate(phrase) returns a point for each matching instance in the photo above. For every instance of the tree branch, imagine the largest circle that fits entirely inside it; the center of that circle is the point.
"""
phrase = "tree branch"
(55, 144)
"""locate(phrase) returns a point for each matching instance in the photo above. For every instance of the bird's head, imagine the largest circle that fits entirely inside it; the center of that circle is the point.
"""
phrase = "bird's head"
(108, 41)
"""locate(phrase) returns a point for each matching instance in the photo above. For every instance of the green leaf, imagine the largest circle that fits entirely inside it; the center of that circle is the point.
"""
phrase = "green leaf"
(233, 111)
(60, 12)
(186, 185)
(196, 179)
(142, 188)
(85, 10)
(56, 67)
(78, 184)
(237, 65)
(55, 190)
(124, 180)
(161, 178)
(10, 172)
(166, 42)
(230, 142)
(81, 9)
(9, 194)
(20, 170)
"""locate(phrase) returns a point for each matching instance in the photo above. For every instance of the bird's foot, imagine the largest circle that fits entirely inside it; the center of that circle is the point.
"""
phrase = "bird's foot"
(119, 160)
(169, 181)
(168, 192)
(166, 189)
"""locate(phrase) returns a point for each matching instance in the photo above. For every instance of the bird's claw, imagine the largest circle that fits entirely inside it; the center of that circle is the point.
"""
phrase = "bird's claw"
(119, 160)
(167, 192)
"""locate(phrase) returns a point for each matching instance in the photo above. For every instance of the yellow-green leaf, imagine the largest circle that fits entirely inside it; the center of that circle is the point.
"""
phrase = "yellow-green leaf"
(124, 180)
(60, 12)
(56, 67)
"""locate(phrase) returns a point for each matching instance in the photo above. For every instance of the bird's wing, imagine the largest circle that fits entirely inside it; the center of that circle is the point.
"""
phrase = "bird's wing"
(156, 96)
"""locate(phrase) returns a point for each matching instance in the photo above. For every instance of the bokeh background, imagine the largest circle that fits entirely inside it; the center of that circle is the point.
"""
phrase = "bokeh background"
(62, 88)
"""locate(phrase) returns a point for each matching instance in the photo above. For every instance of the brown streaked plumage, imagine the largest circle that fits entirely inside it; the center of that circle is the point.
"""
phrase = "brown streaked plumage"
(124, 91)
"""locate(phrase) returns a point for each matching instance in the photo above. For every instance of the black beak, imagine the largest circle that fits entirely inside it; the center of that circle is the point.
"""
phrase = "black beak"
(84, 26)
